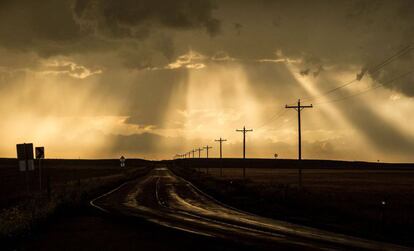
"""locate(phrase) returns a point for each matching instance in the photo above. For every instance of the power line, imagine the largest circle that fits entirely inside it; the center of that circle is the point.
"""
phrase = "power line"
(281, 124)
(332, 90)
(389, 60)
(366, 90)
(275, 116)
(350, 96)
(371, 70)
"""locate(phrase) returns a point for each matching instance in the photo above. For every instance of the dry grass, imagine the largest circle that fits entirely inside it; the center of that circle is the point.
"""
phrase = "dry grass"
(33, 208)
(347, 200)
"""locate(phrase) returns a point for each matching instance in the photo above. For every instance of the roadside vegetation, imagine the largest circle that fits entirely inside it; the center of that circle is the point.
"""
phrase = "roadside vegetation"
(66, 186)
(374, 204)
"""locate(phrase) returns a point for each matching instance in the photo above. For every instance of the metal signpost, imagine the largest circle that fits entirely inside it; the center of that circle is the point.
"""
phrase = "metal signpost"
(40, 154)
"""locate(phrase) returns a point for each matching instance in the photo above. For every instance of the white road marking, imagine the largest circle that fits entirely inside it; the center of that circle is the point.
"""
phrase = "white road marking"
(92, 202)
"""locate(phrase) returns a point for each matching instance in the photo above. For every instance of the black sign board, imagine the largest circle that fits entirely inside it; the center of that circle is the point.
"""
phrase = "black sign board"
(25, 157)
(25, 151)
(40, 152)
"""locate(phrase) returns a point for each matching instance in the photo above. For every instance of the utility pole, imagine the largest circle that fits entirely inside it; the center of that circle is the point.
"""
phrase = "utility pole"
(244, 131)
(188, 162)
(207, 147)
(221, 154)
(193, 151)
(199, 152)
(221, 148)
(299, 108)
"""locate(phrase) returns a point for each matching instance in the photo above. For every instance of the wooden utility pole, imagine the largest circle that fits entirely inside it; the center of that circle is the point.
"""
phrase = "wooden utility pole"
(244, 131)
(221, 154)
(199, 152)
(207, 147)
(221, 147)
(299, 108)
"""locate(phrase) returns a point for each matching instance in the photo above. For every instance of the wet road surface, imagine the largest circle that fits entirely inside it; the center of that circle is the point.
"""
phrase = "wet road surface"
(168, 200)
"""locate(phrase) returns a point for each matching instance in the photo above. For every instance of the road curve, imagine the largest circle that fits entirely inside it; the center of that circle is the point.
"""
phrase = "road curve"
(166, 199)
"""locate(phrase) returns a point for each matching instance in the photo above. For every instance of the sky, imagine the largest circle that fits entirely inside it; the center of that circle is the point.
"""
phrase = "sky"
(150, 79)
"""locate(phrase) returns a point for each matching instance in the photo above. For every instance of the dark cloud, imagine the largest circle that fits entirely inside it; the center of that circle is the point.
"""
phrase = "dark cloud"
(65, 27)
(147, 144)
(165, 44)
(341, 33)
(397, 75)
(134, 42)
(26, 24)
(238, 27)
(136, 143)
(129, 18)
(304, 72)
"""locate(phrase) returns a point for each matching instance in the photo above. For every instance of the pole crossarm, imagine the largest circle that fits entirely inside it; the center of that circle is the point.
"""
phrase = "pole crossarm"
(301, 107)
(244, 130)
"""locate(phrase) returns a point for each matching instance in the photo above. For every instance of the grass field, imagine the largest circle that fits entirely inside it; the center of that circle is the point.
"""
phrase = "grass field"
(67, 184)
(16, 186)
(372, 200)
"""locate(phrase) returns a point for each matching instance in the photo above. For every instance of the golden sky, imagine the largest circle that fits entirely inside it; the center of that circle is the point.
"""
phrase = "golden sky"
(149, 79)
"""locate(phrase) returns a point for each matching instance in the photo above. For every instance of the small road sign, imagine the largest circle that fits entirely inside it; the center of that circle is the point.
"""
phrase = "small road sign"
(122, 161)
(25, 157)
(40, 152)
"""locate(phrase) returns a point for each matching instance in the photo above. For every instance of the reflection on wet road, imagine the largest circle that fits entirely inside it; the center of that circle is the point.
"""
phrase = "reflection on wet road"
(166, 199)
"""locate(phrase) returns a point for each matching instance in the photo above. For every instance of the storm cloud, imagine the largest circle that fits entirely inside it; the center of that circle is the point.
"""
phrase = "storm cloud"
(159, 76)
(72, 26)
(127, 18)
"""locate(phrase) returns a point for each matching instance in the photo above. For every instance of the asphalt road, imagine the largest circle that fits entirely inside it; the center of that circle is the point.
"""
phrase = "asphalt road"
(163, 198)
